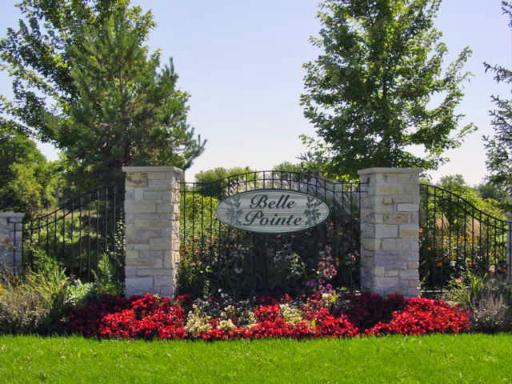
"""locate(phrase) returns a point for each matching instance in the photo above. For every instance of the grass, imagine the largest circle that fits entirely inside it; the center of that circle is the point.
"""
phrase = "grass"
(429, 359)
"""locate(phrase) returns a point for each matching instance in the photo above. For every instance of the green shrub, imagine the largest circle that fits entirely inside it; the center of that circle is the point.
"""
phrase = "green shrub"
(106, 279)
(41, 299)
(488, 299)
(491, 314)
(37, 302)
(22, 311)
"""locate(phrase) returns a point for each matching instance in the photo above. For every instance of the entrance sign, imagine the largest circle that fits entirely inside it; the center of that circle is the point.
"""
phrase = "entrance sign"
(272, 211)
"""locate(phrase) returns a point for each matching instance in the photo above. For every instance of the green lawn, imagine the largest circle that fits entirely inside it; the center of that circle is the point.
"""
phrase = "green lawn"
(429, 359)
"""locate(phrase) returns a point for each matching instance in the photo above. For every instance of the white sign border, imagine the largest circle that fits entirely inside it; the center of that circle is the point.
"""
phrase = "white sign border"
(275, 190)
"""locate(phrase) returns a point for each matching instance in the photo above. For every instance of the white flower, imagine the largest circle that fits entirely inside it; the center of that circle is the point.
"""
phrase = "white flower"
(226, 325)
(291, 314)
(197, 322)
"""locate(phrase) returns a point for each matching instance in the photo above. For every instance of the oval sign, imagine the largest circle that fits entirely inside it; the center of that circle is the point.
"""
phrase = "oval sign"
(272, 211)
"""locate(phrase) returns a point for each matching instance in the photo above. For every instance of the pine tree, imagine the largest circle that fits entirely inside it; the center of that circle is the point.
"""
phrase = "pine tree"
(369, 93)
(499, 146)
(84, 79)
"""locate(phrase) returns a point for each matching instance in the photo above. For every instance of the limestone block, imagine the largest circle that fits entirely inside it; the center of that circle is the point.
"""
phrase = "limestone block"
(135, 206)
(386, 189)
(160, 244)
(396, 218)
(409, 231)
(383, 231)
(397, 244)
(407, 207)
(139, 284)
(136, 179)
(153, 272)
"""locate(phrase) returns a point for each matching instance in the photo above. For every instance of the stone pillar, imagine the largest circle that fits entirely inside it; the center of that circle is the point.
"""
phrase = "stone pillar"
(11, 231)
(390, 230)
(152, 228)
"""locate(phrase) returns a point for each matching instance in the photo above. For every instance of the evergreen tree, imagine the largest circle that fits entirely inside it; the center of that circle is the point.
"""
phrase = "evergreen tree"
(499, 146)
(84, 80)
(369, 93)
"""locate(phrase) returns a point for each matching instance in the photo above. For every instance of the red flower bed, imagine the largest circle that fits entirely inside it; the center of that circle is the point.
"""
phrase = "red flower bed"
(422, 316)
(147, 317)
(347, 315)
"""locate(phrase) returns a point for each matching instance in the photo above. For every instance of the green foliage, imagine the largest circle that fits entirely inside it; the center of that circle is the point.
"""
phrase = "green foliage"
(37, 303)
(84, 79)
(489, 190)
(27, 181)
(465, 290)
(370, 91)
(40, 299)
(290, 167)
(214, 181)
(499, 145)
(22, 311)
(107, 279)
(488, 299)
(458, 186)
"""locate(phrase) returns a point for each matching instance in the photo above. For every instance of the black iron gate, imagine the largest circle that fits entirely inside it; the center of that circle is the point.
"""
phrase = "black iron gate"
(457, 238)
(215, 256)
(79, 233)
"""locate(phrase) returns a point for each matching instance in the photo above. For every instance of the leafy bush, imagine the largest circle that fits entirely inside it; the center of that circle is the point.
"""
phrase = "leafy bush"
(107, 280)
(35, 303)
(488, 299)
(41, 300)
(22, 311)
(491, 314)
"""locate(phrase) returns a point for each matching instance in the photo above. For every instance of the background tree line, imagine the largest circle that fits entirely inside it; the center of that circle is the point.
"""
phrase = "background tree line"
(84, 79)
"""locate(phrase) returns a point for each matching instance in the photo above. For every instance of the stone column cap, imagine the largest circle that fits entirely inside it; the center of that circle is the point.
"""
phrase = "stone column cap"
(153, 168)
(11, 214)
(369, 171)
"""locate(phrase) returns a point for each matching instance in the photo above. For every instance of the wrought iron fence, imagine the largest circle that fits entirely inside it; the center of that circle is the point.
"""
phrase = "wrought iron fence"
(223, 257)
(79, 233)
(456, 237)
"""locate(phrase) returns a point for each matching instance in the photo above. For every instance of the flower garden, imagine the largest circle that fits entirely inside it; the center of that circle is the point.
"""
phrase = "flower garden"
(317, 315)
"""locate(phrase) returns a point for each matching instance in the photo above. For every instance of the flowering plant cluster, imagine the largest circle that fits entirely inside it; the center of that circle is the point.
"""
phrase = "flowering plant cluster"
(326, 314)
(422, 316)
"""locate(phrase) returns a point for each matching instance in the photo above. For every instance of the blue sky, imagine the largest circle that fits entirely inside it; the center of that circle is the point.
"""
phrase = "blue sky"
(241, 61)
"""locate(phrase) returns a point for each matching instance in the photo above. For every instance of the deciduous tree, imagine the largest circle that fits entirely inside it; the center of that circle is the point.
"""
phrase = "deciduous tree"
(378, 93)
(27, 180)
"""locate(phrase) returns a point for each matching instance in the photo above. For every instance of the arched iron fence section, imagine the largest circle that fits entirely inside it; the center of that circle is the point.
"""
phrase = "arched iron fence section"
(79, 233)
(248, 262)
(456, 237)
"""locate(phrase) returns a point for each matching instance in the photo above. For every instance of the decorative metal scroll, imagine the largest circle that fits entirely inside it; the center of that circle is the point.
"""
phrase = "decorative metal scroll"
(458, 238)
(79, 233)
(225, 254)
